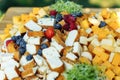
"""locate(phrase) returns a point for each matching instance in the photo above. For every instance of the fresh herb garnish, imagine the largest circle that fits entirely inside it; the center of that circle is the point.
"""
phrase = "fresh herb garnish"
(67, 6)
(85, 72)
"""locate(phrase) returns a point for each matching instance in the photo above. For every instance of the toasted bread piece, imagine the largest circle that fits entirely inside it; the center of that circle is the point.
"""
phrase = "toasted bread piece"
(17, 55)
(29, 65)
(71, 56)
(35, 33)
(55, 64)
(52, 75)
(34, 40)
(32, 78)
(31, 25)
(11, 47)
(28, 72)
(17, 78)
(11, 72)
(71, 38)
(66, 50)
(31, 49)
(2, 75)
(60, 77)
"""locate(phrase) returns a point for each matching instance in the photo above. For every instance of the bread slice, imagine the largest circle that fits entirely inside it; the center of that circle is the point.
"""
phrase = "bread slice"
(5, 57)
(10, 63)
(71, 56)
(50, 52)
(52, 75)
(35, 33)
(60, 77)
(56, 45)
(29, 65)
(28, 72)
(39, 60)
(31, 49)
(31, 25)
(17, 78)
(55, 64)
(32, 78)
(11, 72)
(34, 40)
(11, 47)
(2, 75)
(71, 37)
(77, 48)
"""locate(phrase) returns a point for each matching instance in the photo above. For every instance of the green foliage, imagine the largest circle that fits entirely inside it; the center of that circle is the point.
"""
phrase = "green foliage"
(84, 72)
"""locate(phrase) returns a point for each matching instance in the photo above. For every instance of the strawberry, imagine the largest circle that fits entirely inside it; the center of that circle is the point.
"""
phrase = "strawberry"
(8, 41)
(53, 13)
(49, 33)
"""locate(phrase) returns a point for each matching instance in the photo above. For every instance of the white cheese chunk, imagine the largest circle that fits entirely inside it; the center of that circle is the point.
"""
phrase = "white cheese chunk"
(52, 75)
(68, 65)
(89, 30)
(111, 57)
(43, 69)
(31, 48)
(34, 40)
(108, 42)
(71, 56)
(94, 21)
(10, 73)
(54, 62)
(117, 49)
(87, 55)
(5, 57)
(71, 37)
(50, 52)
(42, 12)
(95, 42)
(56, 45)
(77, 48)
(46, 21)
(31, 25)
(2, 75)
(83, 40)
(17, 33)
(26, 37)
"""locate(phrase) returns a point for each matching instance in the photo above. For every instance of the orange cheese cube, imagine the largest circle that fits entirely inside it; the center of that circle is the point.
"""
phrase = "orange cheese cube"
(96, 60)
(98, 50)
(116, 70)
(36, 10)
(16, 19)
(108, 65)
(85, 24)
(105, 13)
(117, 78)
(116, 59)
(110, 74)
(104, 56)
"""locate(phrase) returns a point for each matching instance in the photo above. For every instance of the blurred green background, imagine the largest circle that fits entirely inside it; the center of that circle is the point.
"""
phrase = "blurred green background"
(5, 4)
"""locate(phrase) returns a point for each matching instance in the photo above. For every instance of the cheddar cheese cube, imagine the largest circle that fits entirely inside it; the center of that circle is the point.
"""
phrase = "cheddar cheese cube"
(98, 50)
(107, 64)
(36, 10)
(104, 56)
(97, 60)
(116, 70)
(116, 59)
(110, 74)
(85, 24)
(16, 19)
(105, 13)
(117, 78)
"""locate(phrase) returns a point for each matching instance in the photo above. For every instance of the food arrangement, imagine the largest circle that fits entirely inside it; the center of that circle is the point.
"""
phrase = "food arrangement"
(54, 43)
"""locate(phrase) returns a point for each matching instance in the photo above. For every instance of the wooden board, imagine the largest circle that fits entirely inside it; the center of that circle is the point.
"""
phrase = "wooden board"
(14, 11)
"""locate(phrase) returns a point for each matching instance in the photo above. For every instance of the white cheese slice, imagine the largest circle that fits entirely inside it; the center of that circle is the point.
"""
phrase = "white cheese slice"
(88, 30)
(52, 75)
(108, 42)
(11, 73)
(95, 42)
(42, 12)
(94, 21)
(68, 65)
(43, 69)
(2, 75)
(50, 52)
(31, 48)
(34, 40)
(71, 56)
(5, 56)
(26, 37)
(87, 55)
(71, 37)
(56, 45)
(46, 21)
(31, 25)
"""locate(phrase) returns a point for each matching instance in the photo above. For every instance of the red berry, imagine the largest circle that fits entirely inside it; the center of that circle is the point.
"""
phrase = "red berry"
(72, 26)
(8, 41)
(53, 13)
(49, 33)
(66, 27)
(66, 18)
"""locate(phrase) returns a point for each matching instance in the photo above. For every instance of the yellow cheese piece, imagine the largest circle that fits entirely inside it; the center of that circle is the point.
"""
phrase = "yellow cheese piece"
(105, 13)
(110, 74)
(96, 60)
(22, 29)
(116, 59)
(84, 60)
(117, 78)
(36, 10)
(104, 56)
(8, 27)
(98, 50)
(108, 65)
(85, 24)
(4, 36)
(116, 70)
(16, 19)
